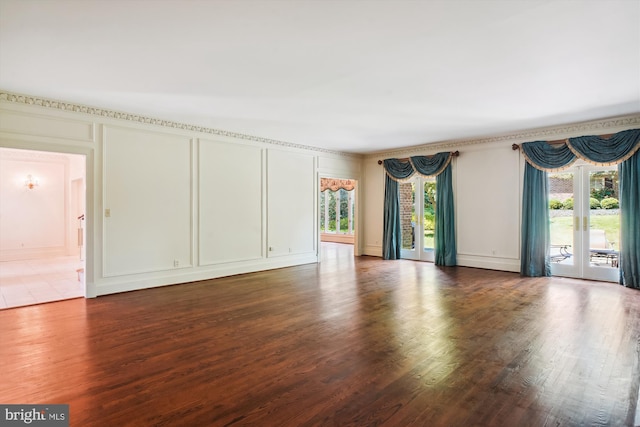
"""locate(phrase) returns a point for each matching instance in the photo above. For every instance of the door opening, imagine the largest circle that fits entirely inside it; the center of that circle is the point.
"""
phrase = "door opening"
(337, 213)
(41, 256)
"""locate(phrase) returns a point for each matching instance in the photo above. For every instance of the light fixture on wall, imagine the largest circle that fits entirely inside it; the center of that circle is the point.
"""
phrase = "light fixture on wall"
(31, 182)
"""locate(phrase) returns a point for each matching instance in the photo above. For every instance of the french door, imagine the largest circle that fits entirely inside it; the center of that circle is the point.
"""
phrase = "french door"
(417, 218)
(585, 222)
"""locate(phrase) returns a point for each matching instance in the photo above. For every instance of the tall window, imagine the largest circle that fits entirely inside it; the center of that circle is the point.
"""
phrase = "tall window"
(337, 202)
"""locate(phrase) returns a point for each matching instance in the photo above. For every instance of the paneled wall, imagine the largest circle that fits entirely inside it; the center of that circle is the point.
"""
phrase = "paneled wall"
(147, 201)
(231, 205)
(169, 203)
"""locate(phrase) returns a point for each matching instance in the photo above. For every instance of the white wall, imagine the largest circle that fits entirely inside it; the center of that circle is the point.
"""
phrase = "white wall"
(33, 222)
(487, 202)
(169, 203)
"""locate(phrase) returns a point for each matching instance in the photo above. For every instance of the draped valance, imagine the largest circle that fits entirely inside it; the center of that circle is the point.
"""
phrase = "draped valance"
(592, 149)
(336, 184)
(427, 166)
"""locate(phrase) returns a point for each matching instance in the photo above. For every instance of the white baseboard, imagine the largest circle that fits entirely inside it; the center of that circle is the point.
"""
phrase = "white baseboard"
(174, 277)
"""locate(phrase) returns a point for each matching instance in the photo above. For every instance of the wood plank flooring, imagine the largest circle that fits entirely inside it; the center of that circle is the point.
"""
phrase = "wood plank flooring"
(358, 342)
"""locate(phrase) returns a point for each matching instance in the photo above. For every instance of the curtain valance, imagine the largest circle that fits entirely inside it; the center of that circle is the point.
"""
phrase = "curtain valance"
(606, 151)
(593, 149)
(547, 157)
(427, 166)
(336, 184)
(397, 169)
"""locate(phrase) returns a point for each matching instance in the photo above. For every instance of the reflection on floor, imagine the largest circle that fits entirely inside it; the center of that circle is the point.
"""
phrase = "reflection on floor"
(336, 251)
(36, 281)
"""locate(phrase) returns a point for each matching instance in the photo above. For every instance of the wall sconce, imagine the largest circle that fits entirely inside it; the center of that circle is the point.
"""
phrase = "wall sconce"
(31, 182)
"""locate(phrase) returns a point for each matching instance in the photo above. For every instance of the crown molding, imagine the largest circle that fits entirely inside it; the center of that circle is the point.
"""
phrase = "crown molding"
(102, 112)
(554, 132)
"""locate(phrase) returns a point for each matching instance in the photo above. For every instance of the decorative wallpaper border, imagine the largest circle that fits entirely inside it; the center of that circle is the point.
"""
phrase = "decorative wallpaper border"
(554, 132)
(95, 111)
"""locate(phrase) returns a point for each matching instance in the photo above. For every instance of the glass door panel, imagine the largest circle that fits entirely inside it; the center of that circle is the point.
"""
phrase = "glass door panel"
(584, 222)
(563, 247)
(428, 218)
(603, 220)
(417, 218)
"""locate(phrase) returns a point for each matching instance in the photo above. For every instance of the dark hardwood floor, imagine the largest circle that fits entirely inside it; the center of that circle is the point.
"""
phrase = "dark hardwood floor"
(359, 342)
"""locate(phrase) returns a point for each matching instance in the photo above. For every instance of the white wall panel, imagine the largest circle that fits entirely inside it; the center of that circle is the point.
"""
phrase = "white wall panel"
(488, 202)
(230, 201)
(147, 193)
(27, 124)
(345, 165)
(291, 203)
(373, 207)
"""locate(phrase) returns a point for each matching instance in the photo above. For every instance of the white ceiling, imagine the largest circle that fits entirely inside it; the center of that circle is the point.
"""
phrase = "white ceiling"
(349, 75)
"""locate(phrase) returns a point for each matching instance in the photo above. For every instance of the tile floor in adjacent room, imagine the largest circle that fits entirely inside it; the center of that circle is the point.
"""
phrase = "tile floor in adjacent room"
(37, 281)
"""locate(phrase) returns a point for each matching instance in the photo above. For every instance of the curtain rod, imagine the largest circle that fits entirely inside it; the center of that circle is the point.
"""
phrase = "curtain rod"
(561, 141)
(406, 159)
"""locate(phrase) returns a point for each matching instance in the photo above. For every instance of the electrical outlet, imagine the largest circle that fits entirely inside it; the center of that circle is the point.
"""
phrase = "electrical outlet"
(176, 263)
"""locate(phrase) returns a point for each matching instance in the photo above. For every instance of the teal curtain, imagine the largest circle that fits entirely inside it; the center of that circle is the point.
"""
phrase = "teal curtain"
(613, 150)
(392, 231)
(622, 149)
(534, 251)
(431, 165)
(445, 227)
(445, 233)
(548, 157)
(629, 173)
(439, 165)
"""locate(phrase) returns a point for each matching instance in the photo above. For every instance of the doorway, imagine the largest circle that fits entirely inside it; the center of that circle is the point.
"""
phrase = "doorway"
(417, 218)
(337, 216)
(584, 218)
(42, 196)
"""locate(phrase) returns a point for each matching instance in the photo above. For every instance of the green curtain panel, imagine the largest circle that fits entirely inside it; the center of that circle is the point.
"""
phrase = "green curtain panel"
(629, 173)
(445, 227)
(391, 235)
(534, 252)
